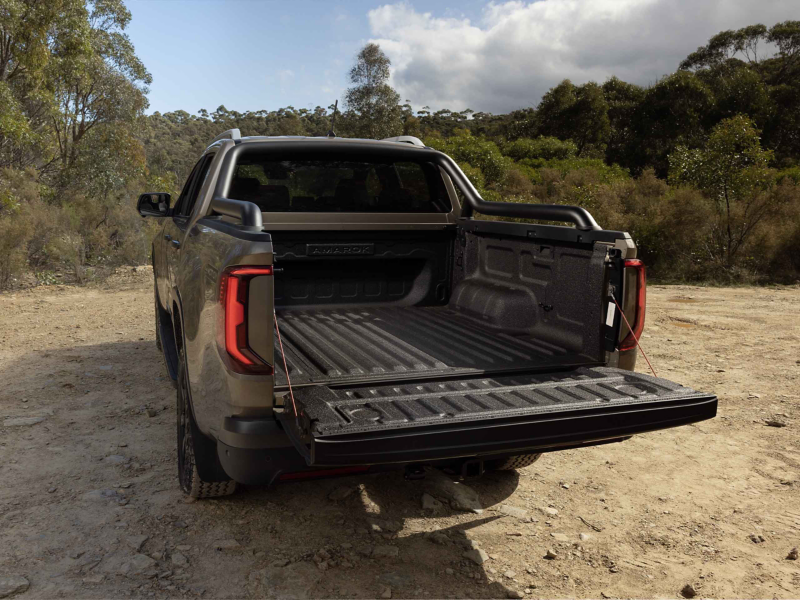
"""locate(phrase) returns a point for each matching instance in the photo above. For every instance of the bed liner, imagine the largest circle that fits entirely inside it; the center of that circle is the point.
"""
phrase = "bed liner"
(337, 346)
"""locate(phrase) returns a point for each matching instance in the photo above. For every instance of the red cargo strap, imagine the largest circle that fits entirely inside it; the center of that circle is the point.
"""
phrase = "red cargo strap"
(638, 345)
(285, 367)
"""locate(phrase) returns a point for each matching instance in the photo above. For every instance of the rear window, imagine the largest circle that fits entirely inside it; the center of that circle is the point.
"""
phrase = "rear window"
(329, 185)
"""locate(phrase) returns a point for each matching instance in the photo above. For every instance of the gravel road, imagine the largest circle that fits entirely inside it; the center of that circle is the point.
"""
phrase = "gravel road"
(90, 507)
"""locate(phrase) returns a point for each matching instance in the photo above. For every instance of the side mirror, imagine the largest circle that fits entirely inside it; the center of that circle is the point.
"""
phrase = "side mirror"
(154, 204)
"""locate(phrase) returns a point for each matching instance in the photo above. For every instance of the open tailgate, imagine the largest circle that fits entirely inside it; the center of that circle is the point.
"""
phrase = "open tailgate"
(420, 421)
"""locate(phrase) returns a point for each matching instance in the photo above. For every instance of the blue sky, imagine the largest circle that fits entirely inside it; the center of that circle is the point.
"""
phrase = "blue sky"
(493, 56)
(252, 55)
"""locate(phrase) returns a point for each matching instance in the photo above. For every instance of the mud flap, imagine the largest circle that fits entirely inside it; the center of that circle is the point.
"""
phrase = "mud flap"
(415, 422)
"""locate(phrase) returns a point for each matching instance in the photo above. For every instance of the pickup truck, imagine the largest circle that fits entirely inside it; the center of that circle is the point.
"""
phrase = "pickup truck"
(329, 306)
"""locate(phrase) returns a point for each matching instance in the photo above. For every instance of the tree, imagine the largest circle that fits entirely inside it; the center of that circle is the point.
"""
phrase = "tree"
(373, 109)
(732, 170)
(577, 113)
(106, 83)
(746, 78)
(675, 111)
(622, 99)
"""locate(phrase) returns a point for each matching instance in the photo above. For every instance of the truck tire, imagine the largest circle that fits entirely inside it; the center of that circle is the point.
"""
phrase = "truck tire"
(193, 446)
(512, 463)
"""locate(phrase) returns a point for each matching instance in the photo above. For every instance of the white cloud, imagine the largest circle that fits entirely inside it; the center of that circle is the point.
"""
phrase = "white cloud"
(518, 50)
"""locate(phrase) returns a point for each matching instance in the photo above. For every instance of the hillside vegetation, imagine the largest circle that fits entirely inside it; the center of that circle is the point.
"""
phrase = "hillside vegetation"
(702, 168)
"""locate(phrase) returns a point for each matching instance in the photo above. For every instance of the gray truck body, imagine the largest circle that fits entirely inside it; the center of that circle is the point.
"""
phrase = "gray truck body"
(409, 337)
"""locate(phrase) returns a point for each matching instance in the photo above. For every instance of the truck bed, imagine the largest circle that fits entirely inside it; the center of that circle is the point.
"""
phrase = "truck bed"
(379, 343)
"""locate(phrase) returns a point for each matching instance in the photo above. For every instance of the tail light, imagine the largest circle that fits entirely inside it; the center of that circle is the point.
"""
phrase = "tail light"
(232, 330)
(635, 297)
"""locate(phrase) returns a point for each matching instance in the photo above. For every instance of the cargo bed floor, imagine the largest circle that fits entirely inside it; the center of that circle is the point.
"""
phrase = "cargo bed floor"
(402, 343)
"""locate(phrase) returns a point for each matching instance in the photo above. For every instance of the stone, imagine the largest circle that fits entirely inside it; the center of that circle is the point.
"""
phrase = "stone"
(227, 545)
(756, 538)
(560, 537)
(513, 511)
(136, 541)
(365, 550)
(98, 495)
(183, 547)
(439, 538)
(792, 554)
(584, 537)
(688, 591)
(281, 562)
(94, 578)
(514, 594)
(476, 555)
(341, 492)
(295, 582)
(460, 496)
(510, 574)
(775, 423)
(449, 571)
(115, 459)
(138, 565)
(13, 584)
(552, 512)
(385, 552)
(396, 579)
(550, 554)
(179, 560)
(387, 592)
(152, 412)
(430, 503)
(22, 422)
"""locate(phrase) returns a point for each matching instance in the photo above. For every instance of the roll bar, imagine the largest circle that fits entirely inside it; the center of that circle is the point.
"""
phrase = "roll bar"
(250, 214)
(247, 212)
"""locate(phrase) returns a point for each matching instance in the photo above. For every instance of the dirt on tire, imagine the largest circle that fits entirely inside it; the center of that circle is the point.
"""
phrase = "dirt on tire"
(90, 504)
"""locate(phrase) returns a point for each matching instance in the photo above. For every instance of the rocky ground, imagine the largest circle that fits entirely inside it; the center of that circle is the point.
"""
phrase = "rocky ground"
(90, 507)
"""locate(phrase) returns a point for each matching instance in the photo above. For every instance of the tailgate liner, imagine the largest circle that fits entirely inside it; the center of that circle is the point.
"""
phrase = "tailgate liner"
(466, 417)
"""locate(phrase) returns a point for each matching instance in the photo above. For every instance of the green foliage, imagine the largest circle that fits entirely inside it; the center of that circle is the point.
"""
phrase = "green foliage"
(477, 152)
(732, 170)
(373, 109)
(577, 113)
(545, 148)
(76, 149)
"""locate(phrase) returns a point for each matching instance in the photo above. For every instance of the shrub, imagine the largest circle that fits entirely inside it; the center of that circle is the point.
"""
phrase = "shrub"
(544, 148)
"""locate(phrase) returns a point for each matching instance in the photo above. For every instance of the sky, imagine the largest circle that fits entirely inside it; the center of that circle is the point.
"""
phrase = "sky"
(456, 54)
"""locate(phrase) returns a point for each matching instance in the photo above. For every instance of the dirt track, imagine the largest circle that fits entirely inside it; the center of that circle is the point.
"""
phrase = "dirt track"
(672, 507)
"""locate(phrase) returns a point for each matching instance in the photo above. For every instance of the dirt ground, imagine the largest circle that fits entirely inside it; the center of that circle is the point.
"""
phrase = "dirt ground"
(90, 506)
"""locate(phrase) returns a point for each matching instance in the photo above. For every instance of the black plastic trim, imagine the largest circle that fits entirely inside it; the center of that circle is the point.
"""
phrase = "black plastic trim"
(247, 212)
(553, 233)
(527, 434)
(234, 230)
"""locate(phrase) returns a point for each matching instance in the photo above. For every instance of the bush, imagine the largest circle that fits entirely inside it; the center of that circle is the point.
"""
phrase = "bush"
(480, 153)
(544, 148)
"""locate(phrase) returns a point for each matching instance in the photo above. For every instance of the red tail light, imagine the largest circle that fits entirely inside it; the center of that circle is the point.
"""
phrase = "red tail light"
(639, 301)
(233, 300)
